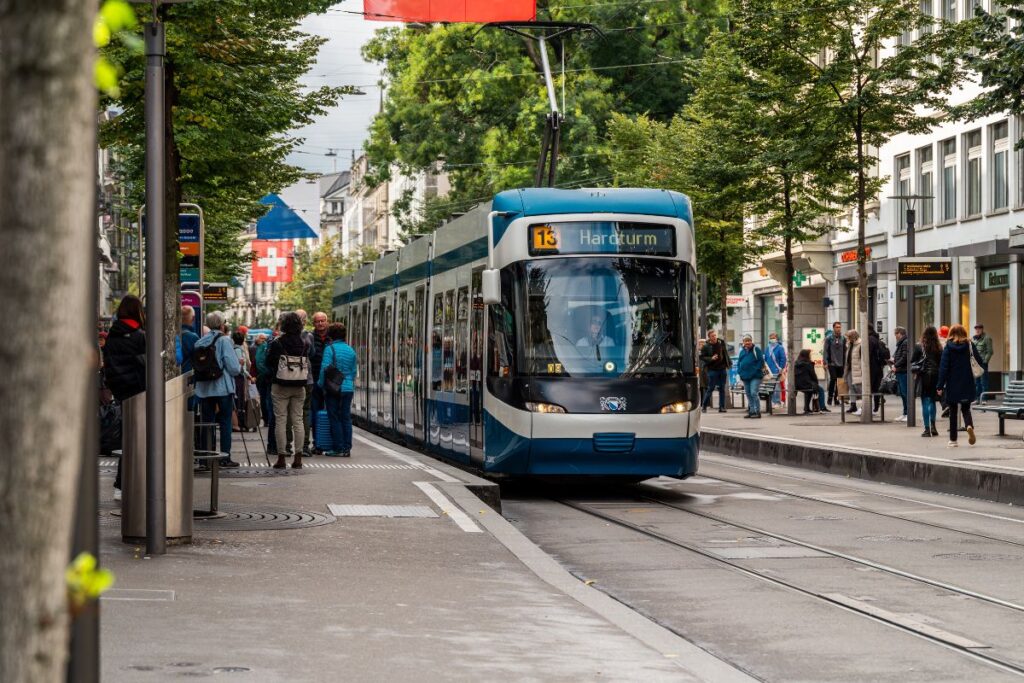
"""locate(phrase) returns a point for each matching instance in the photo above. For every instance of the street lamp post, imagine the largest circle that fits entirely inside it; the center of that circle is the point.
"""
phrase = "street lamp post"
(911, 216)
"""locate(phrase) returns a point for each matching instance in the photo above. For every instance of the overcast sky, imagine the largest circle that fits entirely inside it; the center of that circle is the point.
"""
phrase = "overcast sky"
(344, 127)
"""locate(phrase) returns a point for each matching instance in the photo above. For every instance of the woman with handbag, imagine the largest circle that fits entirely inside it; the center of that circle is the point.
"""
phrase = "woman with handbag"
(853, 372)
(751, 369)
(957, 371)
(925, 366)
(337, 375)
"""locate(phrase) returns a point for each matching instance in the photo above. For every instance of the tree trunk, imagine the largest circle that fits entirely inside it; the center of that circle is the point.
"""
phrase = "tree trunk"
(723, 291)
(172, 183)
(47, 210)
(792, 347)
(862, 275)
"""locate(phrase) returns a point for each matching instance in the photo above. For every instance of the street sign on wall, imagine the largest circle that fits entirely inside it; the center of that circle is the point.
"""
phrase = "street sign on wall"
(924, 271)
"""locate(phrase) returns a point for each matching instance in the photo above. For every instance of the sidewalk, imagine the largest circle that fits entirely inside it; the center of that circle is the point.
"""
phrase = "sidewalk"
(458, 594)
(890, 452)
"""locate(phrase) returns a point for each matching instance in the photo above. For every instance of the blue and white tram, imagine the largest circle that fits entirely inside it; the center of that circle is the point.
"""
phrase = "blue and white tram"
(548, 334)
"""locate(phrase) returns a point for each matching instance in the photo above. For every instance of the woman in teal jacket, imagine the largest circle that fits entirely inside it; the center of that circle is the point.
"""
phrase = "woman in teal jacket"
(750, 368)
(339, 406)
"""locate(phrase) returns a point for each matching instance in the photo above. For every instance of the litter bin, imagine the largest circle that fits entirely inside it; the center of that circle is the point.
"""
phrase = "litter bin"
(178, 451)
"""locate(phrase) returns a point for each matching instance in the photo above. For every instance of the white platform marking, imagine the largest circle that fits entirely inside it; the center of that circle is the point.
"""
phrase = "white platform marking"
(408, 460)
(449, 508)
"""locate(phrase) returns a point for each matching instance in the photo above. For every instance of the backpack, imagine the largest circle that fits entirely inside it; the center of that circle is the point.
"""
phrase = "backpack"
(333, 376)
(205, 367)
(292, 368)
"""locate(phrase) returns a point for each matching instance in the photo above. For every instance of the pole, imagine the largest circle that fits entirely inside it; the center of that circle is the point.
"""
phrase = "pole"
(911, 332)
(156, 200)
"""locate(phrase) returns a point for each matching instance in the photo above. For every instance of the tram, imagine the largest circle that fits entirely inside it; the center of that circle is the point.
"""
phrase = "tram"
(549, 333)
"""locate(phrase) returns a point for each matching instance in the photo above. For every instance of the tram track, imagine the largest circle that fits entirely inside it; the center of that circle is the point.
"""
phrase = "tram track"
(857, 508)
(928, 634)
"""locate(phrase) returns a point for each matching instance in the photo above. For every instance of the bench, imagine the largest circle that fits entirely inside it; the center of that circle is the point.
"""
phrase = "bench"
(867, 400)
(1012, 406)
(767, 390)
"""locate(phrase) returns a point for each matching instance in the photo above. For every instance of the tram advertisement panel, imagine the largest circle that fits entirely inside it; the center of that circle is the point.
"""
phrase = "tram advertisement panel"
(593, 237)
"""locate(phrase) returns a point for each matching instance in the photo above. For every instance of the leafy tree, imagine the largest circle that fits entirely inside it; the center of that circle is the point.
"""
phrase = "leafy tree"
(233, 95)
(998, 61)
(312, 288)
(876, 92)
(475, 99)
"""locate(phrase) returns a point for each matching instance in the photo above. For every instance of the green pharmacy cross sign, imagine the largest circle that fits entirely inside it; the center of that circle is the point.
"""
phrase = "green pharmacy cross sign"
(814, 336)
(799, 278)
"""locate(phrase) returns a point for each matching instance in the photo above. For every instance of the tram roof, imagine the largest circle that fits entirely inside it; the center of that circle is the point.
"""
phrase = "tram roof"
(538, 201)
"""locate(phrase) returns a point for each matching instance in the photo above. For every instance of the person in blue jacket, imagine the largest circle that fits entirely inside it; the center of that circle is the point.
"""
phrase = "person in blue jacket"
(217, 397)
(339, 406)
(749, 367)
(775, 357)
(956, 380)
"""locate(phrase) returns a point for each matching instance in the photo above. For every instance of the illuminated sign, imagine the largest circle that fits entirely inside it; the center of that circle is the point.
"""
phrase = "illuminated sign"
(215, 292)
(602, 238)
(851, 255)
(925, 271)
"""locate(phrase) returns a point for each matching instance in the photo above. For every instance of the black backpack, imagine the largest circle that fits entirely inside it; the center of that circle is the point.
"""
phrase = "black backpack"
(205, 367)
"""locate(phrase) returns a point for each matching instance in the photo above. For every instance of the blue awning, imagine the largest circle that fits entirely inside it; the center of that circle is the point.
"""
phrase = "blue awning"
(281, 222)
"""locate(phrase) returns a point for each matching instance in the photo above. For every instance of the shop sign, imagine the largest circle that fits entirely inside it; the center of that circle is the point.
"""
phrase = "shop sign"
(735, 300)
(850, 256)
(924, 271)
(997, 278)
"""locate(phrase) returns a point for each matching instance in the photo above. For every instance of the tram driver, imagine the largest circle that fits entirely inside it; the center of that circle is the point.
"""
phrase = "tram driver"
(596, 335)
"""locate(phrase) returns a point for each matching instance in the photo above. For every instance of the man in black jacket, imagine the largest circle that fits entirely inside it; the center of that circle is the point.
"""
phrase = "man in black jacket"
(715, 358)
(899, 360)
(835, 359)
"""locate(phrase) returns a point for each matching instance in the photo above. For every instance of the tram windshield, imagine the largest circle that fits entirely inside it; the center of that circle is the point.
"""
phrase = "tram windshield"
(608, 317)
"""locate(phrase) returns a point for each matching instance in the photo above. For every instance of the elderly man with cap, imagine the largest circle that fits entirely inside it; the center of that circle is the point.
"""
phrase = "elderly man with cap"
(983, 343)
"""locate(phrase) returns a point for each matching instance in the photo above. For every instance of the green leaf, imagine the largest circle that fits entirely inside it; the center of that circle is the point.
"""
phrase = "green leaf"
(100, 33)
(105, 77)
(118, 15)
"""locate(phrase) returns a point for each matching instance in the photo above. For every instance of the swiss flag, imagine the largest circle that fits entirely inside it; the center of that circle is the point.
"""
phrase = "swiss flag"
(272, 260)
(450, 11)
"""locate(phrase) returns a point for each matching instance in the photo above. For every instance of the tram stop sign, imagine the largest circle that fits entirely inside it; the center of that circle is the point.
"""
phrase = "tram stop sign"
(924, 271)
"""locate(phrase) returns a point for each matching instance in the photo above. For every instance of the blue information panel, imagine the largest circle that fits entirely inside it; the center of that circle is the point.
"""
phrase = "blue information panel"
(602, 237)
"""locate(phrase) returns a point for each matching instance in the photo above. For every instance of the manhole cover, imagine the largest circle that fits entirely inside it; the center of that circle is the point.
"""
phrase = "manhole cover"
(991, 557)
(266, 518)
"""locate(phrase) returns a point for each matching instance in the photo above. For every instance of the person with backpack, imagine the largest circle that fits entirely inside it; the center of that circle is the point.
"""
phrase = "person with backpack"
(336, 382)
(289, 360)
(751, 368)
(925, 366)
(215, 367)
(124, 358)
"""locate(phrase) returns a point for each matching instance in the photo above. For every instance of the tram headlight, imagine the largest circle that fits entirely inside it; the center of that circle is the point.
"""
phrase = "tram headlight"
(677, 407)
(544, 408)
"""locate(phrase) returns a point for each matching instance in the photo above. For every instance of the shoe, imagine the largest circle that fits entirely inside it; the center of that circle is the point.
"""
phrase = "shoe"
(297, 462)
(856, 412)
(825, 410)
(704, 409)
(757, 416)
(808, 412)
(117, 494)
(306, 453)
(345, 454)
(228, 463)
(748, 416)
(722, 410)
(901, 418)
(971, 439)
(926, 433)
(281, 463)
(952, 444)
(935, 432)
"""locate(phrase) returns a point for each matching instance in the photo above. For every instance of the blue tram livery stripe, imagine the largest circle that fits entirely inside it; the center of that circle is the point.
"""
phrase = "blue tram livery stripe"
(467, 253)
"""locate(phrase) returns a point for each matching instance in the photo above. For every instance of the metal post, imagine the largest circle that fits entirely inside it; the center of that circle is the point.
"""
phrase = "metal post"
(156, 201)
(911, 314)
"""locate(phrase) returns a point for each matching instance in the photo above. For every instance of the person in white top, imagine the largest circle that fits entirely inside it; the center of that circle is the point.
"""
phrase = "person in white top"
(596, 337)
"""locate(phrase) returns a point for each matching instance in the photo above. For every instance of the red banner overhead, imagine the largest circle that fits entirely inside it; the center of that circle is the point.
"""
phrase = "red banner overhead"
(450, 11)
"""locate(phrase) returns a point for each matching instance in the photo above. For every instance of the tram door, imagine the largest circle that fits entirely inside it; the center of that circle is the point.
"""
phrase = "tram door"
(374, 378)
(419, 346)
(387, 395)
(402, 363)
(476, 365)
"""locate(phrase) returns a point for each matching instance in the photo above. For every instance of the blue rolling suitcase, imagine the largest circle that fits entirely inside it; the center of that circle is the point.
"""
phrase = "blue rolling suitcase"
(322, 438)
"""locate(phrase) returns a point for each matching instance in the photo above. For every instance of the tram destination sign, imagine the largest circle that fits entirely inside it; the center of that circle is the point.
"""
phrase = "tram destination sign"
(602, 237)
(925, 271)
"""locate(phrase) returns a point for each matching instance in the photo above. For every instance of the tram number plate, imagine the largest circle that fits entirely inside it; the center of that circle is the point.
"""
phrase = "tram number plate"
(545, 238)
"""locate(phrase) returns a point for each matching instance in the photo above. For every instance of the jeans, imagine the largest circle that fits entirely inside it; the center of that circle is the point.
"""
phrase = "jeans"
(809, 396)
(750, 387)
(965, 408)
(981, 384)
(339, 412)
(855, 393)
(716, 380)
(901, 381)
(288, 408)
(218, 409)
(777, 395)
(834, 373)
(928, 411)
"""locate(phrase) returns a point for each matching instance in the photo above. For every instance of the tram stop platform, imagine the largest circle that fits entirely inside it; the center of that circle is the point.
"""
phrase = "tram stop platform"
(889, 452)
(382, 566)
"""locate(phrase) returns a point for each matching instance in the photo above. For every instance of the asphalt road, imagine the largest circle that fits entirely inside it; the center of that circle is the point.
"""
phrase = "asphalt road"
(796, 576)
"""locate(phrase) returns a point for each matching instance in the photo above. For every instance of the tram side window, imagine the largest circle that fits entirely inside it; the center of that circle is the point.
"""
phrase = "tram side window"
(462, 341)
(402, 341)
(435, 343)
(448, 356)
(387, 344)
(501, 332)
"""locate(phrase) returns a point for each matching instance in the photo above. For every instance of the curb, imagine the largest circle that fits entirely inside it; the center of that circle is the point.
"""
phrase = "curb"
(986, 482)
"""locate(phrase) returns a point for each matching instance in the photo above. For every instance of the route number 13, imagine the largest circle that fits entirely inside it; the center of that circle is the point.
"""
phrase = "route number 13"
(544, 238)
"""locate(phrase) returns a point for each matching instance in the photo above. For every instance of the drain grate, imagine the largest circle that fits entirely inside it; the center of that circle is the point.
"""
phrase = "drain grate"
(267, 518)
(381, 511)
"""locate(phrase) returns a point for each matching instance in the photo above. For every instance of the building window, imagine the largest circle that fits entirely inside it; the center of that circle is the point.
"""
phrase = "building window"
(902, 189)
(1000, 165)
(928, 12)
(926, 186)
(948, 10)
(972, 173)
(969, 7)
(948, 148)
